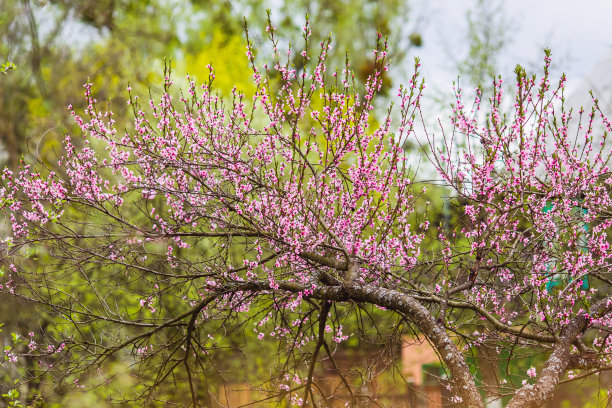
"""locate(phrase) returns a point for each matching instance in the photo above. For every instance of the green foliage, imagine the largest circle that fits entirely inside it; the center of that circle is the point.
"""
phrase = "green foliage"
(12, 396)
(7, 66)
(225, 52)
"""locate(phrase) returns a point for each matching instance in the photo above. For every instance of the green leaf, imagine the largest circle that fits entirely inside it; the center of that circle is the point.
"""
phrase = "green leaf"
(7, 66)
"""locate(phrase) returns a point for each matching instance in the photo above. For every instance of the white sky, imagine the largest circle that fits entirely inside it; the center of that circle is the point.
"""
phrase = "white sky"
(579, 34)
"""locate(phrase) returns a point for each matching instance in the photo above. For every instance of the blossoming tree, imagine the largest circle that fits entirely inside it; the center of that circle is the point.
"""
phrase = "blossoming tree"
(278, 209)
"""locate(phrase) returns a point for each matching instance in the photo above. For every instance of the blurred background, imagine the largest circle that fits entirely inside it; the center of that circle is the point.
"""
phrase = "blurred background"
(58, 45)
(49, 49)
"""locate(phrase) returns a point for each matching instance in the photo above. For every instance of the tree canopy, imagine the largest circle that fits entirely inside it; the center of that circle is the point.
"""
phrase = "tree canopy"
(292, 210)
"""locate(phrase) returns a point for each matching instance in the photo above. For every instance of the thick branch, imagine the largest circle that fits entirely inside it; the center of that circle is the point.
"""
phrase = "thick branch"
(534, 395)
(428, 325)
(397, 301)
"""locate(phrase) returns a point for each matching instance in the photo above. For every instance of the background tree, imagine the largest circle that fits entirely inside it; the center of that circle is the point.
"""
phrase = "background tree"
(487, 35)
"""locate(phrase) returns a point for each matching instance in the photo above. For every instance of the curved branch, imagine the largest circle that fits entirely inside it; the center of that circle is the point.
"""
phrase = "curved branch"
(534, 395)
(399, 302)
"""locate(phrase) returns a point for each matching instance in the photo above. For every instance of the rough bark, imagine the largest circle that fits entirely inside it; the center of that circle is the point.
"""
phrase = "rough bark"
(534, 395)
(465, 386)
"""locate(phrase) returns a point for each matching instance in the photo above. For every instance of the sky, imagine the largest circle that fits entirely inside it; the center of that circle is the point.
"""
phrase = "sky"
(578, 33)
